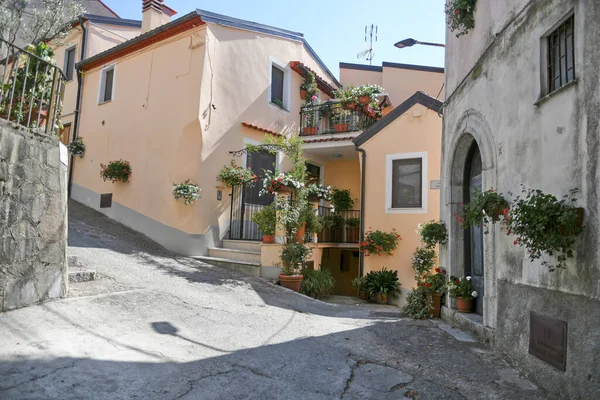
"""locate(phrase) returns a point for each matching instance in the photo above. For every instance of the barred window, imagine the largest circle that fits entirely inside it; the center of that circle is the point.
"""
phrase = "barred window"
(561, 55)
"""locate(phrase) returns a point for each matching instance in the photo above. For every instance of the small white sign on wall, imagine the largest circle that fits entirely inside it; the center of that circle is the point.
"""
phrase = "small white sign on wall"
(435, 185)
(64, 154)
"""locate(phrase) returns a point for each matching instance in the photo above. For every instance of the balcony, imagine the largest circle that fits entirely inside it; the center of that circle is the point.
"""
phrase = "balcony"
(332, 117)
(340, 226)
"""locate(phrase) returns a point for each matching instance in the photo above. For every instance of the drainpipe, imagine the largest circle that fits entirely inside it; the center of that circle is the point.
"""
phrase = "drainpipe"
(362, 207)
(77, 102)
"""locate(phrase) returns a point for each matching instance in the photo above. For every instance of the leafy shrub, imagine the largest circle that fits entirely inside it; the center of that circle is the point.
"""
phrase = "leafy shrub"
(485, 208)
(77, 147)
(116, 171)
(460, 16)
(293, 257)
(317, 283)
(383, 282)
(378, 242)
(266, 219)
(342, 200)
(423, 261)
(417, 304)
(433, 233)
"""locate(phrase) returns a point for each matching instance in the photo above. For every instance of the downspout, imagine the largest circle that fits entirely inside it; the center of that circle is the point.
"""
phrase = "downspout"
(77, 102)
(361, 262)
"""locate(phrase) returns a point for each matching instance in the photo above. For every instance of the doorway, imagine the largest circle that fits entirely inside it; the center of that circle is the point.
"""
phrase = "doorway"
(474, 234)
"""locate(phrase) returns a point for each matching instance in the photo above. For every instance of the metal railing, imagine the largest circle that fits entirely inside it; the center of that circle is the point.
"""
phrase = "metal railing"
(339, 226)
(334, 117)
(31, 89)
(245, 201)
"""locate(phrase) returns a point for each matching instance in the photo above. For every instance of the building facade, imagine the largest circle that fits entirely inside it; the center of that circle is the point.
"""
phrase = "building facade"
(521, 108)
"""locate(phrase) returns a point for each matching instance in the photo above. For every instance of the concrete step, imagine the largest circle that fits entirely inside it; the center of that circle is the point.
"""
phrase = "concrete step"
(235, 255)
(247, 268)
(248, 245)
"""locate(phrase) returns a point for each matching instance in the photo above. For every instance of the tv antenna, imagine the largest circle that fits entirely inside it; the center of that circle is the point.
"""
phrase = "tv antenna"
(369, 53)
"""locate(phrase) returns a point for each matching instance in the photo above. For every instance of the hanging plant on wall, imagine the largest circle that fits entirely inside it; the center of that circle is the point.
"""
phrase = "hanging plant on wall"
(77, 147)
(432, 233)
(460, 16)
(378, 242)
(544, 224)
(233, 175)
(485, 208)
(186, 191)
(116, 171)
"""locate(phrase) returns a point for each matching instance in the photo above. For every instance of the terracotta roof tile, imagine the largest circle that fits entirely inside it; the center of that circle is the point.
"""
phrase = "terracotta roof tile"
(322, 84)
(258, 128)
(330, 139)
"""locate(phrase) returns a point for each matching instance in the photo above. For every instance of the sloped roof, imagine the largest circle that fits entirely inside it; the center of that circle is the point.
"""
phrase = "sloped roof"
(417, 98)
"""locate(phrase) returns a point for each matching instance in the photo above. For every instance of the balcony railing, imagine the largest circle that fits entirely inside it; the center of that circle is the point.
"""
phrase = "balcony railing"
(333, 117)
(31, 89)
(339, 226)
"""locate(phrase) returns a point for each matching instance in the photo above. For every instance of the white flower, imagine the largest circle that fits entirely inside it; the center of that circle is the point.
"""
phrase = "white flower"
(474, 293)
(468, 278)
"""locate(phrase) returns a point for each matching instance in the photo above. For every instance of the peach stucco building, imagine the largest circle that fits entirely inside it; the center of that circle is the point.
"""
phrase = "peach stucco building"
(182, 98)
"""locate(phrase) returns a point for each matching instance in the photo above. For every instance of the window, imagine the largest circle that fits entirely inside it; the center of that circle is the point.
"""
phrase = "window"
(107, 80)
(277, 80)
(561, 55)
(406, 187)
(70, 63)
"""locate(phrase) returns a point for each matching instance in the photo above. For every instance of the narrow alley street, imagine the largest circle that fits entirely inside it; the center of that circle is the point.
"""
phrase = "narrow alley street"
(158, 326)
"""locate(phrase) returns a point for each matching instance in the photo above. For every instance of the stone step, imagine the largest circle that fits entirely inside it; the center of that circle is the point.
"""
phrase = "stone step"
(247, 268)
(81, 275)
(235, 255)
(248, 245)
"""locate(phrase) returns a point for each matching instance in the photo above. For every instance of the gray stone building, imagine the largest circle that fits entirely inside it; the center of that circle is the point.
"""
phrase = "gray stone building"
(523, 107)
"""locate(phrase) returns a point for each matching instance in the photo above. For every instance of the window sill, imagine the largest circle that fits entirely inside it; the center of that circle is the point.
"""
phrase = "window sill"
(543, 99)
(104, 102)
(279, 108)
(406, 211)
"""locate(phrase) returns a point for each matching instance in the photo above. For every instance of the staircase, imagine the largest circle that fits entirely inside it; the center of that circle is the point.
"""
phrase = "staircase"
(240, 255)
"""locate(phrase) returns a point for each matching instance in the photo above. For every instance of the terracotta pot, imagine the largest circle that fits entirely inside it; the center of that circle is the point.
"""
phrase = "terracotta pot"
(300, 234)
(352, 233)
(435, 310)
(292, 282)
(337, 128)
(367, 108)
(465, 306)
(268, 239)
(303, 94)
(349, 106)
(363, 295)
(364, 99)
(381, 298)
(498, 212)
(310, 130)
(565, 231)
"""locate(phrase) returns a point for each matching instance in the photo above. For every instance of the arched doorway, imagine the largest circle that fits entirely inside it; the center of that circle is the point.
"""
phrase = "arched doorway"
(473, 242)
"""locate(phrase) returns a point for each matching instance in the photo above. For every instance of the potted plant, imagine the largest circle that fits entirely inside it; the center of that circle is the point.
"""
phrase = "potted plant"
(544, 224)
(341, 200)
(187, 191)
(327, 221)
(352, 229)
(460, 16)
(379, 242)
(367, 93)
(316, 191)
(277, 182)
(461, 289)
(266, 219)
(485, 208)
(317, 282)
(234, 175)
(116, 171)
(312, 222)
(308, 88)
(77, 147)
(339, 119)
(361, 285)
(293, 259)
(383, 284)
(434, 286)
(433, 233)
(312, 116)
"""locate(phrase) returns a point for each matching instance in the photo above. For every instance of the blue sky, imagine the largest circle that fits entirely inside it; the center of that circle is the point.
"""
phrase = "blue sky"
(334, 28)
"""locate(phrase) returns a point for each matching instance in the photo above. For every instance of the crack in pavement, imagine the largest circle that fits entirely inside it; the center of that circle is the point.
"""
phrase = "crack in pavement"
(39, 377)
(192, 383)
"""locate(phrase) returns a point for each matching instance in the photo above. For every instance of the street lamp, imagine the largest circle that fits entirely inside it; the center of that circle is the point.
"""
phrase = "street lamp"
(411, 42)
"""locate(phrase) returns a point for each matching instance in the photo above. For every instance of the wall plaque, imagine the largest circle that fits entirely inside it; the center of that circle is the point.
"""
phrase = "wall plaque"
(548, 340)
(106, 200)
(435, 184)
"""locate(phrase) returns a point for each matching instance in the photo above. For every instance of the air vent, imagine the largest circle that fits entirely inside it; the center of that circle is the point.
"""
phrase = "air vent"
(106, 200)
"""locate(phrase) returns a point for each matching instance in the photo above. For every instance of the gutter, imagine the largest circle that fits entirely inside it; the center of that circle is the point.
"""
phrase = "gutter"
(361, 262)
(77, 102)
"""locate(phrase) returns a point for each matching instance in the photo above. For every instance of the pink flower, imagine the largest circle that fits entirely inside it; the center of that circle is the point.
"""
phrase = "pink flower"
(313, 98)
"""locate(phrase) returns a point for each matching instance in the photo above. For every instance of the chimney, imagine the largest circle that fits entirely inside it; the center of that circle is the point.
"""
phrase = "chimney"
(155, 14)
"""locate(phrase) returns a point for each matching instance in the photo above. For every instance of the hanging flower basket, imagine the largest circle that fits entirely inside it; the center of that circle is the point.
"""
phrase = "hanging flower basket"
(460, 16)
(186, 191)
(116, 171)
(234, 175)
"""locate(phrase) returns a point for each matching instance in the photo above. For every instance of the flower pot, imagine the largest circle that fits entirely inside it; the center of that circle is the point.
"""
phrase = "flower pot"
(300, 234)
(337, 128)
(565, 231)
(349, 106)
(364, 99)
(465, 306)
(498, 212)
(363, 295)
(303, 94)
(381, 298)
(268, 239)
(310, 130)
(292, 282)
(367, 108)
(435, 310)
(352, 233)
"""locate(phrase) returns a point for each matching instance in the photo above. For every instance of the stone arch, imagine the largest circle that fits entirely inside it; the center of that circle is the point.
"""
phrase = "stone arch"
(471, 129)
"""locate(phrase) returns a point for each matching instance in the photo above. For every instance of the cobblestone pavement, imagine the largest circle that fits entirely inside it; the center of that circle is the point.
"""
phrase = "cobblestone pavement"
(158, 326)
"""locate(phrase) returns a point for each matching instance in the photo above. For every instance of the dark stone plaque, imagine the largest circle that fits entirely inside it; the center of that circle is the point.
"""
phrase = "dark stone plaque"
(106, 200)
(548, 340)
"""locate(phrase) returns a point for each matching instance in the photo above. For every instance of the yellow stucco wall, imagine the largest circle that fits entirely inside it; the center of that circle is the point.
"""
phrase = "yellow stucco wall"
(344, 174)
(406, 134)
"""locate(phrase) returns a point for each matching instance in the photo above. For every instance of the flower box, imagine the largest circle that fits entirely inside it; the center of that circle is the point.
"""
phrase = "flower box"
(337, 128)
(310, 131)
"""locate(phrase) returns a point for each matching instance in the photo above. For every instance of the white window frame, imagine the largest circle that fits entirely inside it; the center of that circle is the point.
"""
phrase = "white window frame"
(389, 162)
(74, 47)
(102, 83)
(287, 80)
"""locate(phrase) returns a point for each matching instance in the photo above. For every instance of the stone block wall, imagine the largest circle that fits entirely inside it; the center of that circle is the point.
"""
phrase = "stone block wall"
(33, 218)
